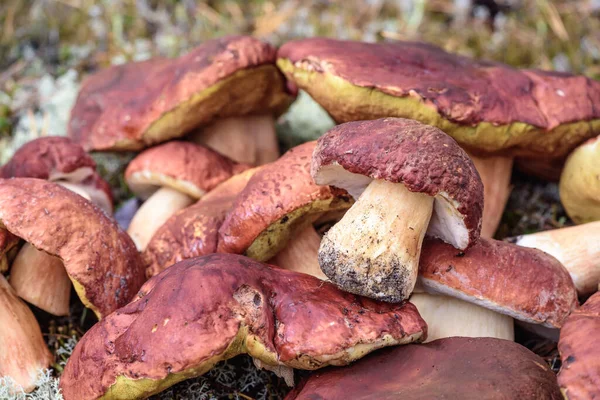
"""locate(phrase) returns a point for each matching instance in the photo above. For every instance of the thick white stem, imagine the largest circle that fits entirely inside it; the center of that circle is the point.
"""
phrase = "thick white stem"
(251, 139)
(576, 247)
(495, 173)
(154, 213)
(23, 350)
(301, 253)
(374, 249)
(41, 279)
(448, 317)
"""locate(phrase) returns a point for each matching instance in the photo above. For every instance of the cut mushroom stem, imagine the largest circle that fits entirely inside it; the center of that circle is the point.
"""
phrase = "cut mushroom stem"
(154, 213)
(301, 253)
(495, 173)
(41, 279)
(24, 352)
(251, 139)
(374, 249)
(448, 317)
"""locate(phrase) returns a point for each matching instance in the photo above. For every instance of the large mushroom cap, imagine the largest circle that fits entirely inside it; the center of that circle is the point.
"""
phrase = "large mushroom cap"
(452, 368)
(280, 199)
(132, 106)
(487, 107)
(99, 257)
(186, 167)
(207, 309)
(526, 284)
(421, 157)
(579, 376)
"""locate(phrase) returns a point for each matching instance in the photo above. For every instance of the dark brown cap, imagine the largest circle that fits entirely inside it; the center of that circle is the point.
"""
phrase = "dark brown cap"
(487, 107)
(207, 309)
(131, 106)
(451, 368)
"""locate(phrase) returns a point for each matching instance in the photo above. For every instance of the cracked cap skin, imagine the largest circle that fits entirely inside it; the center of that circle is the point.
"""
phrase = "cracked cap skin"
(489, 108)
(207, 309)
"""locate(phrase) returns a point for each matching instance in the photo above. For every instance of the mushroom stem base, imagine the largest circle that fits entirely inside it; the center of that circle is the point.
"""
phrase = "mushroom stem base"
(154, 213)
(495, 174)
(251, 139)
(448, 317)
(374, 249)
(301, 254)
(41, 279)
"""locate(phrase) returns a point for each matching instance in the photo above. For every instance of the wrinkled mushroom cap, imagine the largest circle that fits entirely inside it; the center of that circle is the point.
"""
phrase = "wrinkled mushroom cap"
(207, 309)
(280, 199)
(193, 231)
(100, 259)
(526, 284)
(421, 157)
(487, 107)
(131, 106)
(579, 376)
(451, 368)
(186, 167)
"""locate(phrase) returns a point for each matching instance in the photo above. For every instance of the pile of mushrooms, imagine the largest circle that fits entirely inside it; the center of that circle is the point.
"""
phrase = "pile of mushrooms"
(377, 235)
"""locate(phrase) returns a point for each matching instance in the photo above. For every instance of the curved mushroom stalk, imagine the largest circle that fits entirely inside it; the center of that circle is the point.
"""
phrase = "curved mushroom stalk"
(24, 352)
(448, 317)
(41, 279)
(576, 247)
(301, 254)
(250, 139)
(375, 247)
(495, 173)
(154, 212)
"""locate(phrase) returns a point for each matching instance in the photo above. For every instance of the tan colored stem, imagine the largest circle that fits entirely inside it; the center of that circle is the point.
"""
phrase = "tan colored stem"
(448, 317)
(301, 253)
(41, 279)
(251, 139)
(154, 213)
(75, 189)
(495, 173)
(576, 247)
(23, 352)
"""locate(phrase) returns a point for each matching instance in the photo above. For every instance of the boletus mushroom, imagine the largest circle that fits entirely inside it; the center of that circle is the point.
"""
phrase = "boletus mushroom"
(230, 82)
(408, 179)
(452, 368)
(170, 177)
(494, 111)
(207, 309)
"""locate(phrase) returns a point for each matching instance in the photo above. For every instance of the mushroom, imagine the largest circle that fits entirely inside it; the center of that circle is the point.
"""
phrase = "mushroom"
(8, 243)
(37, 277)
(207, 309)
(494, 111)
(452, 368)
(24, 352)
(193, 231)
(276, 210)
(580, 183)
(576, 247)
(502, 281)
(230, 82)
(170, 177)
(99, 258)
(407, 179)
(579, 376)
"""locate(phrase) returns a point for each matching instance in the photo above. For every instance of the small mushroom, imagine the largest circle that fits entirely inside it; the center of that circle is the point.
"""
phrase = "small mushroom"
(24, 352)
(576, 247)
(207, 309)
(452, 368)
(230, 82)
(8, 243)
(171, 177)
(276, 210)
(408, 179)
(494, 111)
(579, 376)
(580, 183)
